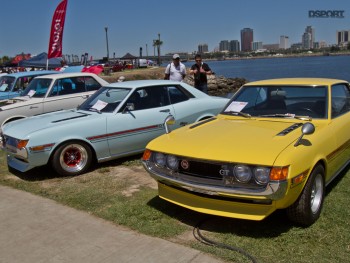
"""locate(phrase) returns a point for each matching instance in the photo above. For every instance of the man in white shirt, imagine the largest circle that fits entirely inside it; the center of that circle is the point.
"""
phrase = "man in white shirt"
(175, 71)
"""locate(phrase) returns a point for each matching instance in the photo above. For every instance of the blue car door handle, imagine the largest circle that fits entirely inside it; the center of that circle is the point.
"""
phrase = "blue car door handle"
(167, 110)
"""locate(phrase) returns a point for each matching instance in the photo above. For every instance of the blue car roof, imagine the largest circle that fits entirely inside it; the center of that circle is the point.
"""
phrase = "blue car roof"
(31, 73)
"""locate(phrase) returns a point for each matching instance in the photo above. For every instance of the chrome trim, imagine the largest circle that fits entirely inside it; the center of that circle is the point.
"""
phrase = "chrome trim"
(274, 190)
(18, 153)
(9, 146)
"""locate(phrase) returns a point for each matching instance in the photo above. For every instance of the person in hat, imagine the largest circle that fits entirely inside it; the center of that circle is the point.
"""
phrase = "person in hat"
(121, 79)
(175, 70)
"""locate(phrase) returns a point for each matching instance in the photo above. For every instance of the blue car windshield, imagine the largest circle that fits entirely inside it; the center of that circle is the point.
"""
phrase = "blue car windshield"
(37, 88)
(279, 101)
(105, 99)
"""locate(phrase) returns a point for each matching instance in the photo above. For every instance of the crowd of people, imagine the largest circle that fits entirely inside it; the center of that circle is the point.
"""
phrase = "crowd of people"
(176, 71)
(10, 70)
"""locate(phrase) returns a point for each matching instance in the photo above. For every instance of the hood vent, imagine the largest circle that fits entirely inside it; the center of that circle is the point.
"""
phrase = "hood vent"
(289, 129)
(71, 118)
(202, 122)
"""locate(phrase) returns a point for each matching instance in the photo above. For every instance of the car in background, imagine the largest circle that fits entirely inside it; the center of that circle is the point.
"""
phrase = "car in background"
(50, 93)
(118, 120)
(276, 145)
(117, 67)
(142, 63)
(12, 85)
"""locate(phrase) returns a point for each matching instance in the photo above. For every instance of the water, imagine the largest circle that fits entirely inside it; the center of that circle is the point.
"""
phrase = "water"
(337, 67)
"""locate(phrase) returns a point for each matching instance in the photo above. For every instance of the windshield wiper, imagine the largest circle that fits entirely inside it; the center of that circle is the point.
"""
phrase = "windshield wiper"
(246, 115)
(94, 109)
(288, 115)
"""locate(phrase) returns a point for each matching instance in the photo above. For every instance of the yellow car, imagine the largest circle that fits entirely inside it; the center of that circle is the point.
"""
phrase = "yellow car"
(276, 145)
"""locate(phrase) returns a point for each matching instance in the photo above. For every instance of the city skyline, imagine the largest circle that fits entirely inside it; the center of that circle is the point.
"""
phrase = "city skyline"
(307, 41)
(136, 24)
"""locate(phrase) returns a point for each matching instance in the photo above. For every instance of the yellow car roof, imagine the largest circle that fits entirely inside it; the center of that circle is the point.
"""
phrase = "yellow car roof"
(297, 81)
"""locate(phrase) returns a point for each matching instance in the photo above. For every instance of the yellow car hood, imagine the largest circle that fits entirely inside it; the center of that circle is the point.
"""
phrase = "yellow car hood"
(230, 140)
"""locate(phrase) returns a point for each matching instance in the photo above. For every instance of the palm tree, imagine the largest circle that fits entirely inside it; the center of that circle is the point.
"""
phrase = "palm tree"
(157, 43)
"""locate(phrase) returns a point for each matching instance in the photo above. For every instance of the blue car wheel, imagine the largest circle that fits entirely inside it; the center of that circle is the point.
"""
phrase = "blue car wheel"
(72, 158)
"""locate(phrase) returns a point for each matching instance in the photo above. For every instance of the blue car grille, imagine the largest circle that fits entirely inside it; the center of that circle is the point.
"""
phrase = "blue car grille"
(10, 141)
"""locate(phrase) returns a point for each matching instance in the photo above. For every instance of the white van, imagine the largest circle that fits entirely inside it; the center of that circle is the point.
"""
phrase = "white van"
(142, 63)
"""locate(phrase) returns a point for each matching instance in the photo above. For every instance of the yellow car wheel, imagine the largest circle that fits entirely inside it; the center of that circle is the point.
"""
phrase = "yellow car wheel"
(307, 209)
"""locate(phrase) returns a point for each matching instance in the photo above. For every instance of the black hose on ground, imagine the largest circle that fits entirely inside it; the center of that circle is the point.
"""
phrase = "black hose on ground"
(209, 242)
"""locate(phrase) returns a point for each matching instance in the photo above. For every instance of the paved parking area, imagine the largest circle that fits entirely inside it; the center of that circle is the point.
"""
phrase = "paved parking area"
(38, 230)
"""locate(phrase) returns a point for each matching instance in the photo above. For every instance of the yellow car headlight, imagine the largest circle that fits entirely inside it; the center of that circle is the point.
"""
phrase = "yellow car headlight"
(243, 173)
(159, 159)
(172, 162)
(262, 175)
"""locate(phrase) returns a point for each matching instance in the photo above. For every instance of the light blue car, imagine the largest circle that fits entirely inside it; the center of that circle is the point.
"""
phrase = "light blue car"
(11, 85)
(118, 120)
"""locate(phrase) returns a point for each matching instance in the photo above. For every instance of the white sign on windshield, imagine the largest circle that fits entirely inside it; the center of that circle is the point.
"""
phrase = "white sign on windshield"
(31, 93)
(99, 105)
(236, 106)
(3, 87)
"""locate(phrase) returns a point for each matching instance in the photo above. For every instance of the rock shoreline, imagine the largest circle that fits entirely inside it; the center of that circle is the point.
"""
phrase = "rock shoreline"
(217, 85)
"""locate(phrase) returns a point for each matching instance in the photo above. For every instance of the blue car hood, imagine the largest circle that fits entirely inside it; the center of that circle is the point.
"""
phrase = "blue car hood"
(20, 128)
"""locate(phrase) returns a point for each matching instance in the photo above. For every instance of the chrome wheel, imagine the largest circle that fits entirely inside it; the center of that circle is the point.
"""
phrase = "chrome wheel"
(316, 194)
(72, 158)
(307, 208)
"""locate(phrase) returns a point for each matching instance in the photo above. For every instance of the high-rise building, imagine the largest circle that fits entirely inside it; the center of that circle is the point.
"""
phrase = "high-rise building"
(202, 48)
(223, 45)
(284, 42)
(343, 37)
(246, 39)
(308, 38)
(306, 41)
(257, 45)
(234, 46)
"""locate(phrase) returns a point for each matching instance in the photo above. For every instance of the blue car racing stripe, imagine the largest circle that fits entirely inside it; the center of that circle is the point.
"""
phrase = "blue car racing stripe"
(126, 132)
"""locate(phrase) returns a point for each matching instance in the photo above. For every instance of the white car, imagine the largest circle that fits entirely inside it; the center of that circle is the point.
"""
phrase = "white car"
(50, 93)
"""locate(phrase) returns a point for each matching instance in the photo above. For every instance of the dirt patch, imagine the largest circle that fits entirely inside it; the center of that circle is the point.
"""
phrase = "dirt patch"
(135, 177)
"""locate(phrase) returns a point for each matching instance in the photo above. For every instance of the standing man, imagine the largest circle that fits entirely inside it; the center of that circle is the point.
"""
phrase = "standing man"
(200, 71)
(176, 70)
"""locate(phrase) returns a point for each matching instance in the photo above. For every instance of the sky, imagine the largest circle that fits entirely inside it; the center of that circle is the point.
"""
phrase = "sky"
(182, 24)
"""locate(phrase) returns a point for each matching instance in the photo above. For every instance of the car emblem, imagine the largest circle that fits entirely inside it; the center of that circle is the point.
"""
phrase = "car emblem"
(185, 164)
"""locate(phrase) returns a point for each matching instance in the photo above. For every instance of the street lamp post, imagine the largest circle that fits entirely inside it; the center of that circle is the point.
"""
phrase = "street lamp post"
(106, 29)
(154, 49)
(158, 49)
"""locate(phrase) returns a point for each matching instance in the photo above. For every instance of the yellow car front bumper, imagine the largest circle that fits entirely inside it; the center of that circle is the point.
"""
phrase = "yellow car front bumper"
(216, 206)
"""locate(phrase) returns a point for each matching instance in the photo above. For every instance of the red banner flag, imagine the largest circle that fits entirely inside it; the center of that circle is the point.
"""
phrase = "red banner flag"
(56, 35)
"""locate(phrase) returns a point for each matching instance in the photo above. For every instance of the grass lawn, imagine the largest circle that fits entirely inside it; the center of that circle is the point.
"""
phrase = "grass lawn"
(121, 192)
